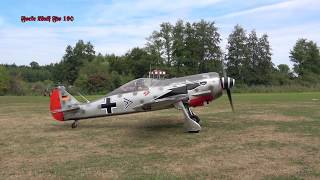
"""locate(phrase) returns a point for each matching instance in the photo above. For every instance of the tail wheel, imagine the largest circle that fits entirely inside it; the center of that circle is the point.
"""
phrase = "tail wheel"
(74, 124)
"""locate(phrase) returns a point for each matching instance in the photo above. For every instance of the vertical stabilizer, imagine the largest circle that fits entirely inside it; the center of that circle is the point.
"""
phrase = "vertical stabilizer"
(60, 102)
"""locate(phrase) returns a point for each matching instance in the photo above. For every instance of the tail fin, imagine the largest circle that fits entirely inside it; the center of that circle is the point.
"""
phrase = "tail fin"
(60, 102)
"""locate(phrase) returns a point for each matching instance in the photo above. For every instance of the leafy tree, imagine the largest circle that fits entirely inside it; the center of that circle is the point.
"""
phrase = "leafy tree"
(160, 44)
(191, 45)
(237, 53)
(306, 58)
(166, 35)
(118, 64)
(208, 50)
(139, 61)
(283, 69)
(57, 72)
(258, 65)
(94, 76)
(178, 45)
(263, 64)
(249, 57)
(34, 65)
(251, 61)
(72, 61)
(154, 46)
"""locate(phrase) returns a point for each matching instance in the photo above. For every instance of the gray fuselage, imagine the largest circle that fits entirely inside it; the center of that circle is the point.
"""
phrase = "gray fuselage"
(146, 94)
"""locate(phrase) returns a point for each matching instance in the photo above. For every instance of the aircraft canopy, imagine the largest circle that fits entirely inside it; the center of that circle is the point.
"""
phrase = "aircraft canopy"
(140, 84)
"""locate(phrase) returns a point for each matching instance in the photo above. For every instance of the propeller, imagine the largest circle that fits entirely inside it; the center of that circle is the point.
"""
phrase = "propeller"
(227, 83)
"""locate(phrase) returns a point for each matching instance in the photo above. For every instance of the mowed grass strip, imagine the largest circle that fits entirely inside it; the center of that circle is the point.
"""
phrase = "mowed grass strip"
(271, 136)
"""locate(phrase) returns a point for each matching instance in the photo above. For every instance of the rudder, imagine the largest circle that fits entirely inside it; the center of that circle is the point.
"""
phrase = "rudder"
(55, 105)
(60, 102)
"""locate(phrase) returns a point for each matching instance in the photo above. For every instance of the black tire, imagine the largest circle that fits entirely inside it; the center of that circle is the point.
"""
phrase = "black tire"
(74, 125)
(195, 118)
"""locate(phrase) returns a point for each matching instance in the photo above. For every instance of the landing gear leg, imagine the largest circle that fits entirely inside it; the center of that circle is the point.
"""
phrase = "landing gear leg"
(195, 118)
(190, 124)
(74, 124)
(191, 114)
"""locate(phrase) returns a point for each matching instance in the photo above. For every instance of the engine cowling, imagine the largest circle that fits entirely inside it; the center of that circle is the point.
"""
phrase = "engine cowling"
(199, 101)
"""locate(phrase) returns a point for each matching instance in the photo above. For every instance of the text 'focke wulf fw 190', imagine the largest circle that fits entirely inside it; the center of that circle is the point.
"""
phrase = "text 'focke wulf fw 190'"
(145, 94)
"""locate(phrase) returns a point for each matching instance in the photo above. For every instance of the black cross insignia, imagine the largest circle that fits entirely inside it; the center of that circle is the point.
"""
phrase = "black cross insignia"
(108, 105)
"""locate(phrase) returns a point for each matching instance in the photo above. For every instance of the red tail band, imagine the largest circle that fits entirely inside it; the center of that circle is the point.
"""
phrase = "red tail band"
(55, 105)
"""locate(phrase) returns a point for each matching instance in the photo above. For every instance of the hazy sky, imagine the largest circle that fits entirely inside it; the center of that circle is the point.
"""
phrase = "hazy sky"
(117, 26)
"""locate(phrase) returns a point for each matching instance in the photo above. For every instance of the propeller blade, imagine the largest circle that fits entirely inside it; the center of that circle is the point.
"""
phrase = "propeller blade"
(230, 99)
(226, 84)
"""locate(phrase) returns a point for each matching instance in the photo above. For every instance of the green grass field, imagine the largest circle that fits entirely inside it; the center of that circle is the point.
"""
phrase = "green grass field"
(271, 136)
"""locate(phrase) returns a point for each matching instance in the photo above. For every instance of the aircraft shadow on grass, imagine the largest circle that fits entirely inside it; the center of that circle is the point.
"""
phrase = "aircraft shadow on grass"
(154, 124)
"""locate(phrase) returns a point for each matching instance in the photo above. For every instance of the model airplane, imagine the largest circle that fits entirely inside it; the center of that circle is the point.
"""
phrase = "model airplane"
(145, 94)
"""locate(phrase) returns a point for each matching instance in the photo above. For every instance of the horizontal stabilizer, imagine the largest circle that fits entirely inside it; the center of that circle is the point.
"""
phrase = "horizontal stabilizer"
(66, 110)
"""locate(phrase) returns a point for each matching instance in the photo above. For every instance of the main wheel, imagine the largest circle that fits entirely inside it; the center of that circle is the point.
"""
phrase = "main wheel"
(195, 118)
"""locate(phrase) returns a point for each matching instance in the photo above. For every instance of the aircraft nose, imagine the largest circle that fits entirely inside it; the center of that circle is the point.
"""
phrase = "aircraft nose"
(227, 82)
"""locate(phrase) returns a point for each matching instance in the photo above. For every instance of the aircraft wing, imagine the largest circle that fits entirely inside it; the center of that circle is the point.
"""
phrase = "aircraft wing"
(169, 98)
(161, 103)
(202, 93)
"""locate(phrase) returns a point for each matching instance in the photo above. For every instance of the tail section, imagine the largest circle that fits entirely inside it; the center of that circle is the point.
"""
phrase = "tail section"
(55, 105)
(61, 102)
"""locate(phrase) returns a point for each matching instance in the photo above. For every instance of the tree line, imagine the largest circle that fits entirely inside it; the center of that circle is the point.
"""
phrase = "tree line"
(180, 49)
